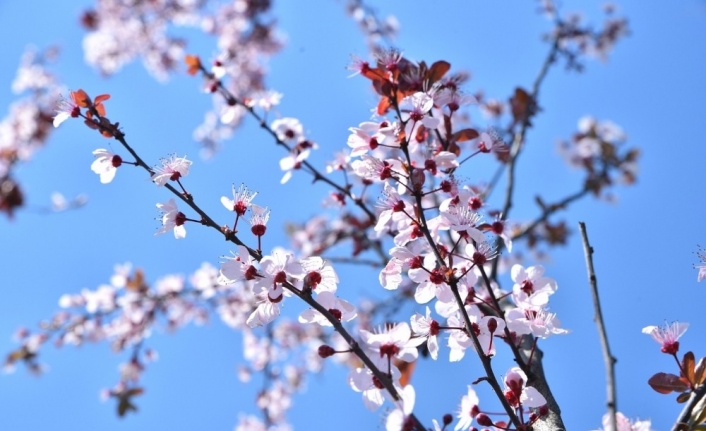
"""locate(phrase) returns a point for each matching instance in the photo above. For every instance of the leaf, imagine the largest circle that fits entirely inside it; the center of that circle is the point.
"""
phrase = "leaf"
(700, 372)
(80, 98)
(406, 370)
(193, 63)
(688, 365)
(523, 106)
(438, 70)
(100, 98)
(383, 106)
(683, 397)
(666, 383)
(465, 135)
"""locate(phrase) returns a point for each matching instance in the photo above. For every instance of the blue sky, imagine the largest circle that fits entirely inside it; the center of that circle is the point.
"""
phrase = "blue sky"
(653, 86)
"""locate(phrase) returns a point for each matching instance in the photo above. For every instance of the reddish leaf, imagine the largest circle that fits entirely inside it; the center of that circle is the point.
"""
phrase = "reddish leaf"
(100, 98)
(80, 98)
(688, 365)
(700, 372)
(406, 370)
(372, 74)
(193, 63)
(383, 106)
(666, 383)
(683, 397)
(438, 70)
(522, 105)
(465, 135)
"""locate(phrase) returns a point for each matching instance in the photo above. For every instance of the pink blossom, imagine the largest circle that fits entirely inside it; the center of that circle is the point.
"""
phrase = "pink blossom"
(106, 164)
(625, 424)
(535, 321)
(517, 393)
(342, 310)
(467, 410)
(319, 275)
(172, 168)
(426, 329)
(291, 162)
(391, 342)
(363, 380)
(531, 286)
(430, 282)
(172, 219)
(400, 418)
(238, 268)
(667, 335)
(241, 201)
(414, 112)
(288, 130)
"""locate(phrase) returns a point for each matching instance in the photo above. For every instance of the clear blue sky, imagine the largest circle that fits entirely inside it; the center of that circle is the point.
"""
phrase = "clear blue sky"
(653, 86)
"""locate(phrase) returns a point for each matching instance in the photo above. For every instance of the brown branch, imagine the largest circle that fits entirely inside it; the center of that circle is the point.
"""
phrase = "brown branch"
(307, 298)
(685, 416)
(608, 358)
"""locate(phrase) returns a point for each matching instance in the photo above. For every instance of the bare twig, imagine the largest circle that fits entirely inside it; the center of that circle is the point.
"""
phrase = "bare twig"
(608, 358)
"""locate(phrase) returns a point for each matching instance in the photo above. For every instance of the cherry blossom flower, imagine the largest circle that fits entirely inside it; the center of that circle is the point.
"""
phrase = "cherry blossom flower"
(369, 135)
(172, 219)
(625, 424)
(667, 335)
(276, 269)
(431, 282)
(340, 162)
(481, 253)
(452, 98)
(106, 164)
(238, 268)
(265, 99)
(205, 280)
(259, 219)
(241, 201)
(319, 275)
(414, 110)
(392, 342)
(531, 286)
(288, 130)
(427, 329)
(393, 207)
(467, 410)
(342, 310)
(533, 320)
(172, 168)
(291, 162)
(268, 307)
(490, 141)
(462, 219)
(484, 327)
(67, 109)
(102, 299)
(400, 418)
(373, 169)
(701, 254)
(363, 380)
(517, 393)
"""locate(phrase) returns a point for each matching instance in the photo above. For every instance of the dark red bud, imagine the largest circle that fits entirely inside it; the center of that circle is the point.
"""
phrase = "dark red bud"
(326, 351)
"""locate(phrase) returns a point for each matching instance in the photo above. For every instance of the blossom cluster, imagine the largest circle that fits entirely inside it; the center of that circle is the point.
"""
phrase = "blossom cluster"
(439, 242)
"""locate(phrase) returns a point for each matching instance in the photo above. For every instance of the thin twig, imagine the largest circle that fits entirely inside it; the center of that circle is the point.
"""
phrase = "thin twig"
(608, 358)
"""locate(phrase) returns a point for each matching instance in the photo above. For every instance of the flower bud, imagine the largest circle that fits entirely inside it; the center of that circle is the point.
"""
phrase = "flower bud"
(325, 351)
(484, 420)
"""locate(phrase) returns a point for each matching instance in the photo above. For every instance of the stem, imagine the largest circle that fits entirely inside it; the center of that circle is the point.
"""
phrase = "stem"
(608, 359)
